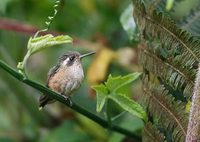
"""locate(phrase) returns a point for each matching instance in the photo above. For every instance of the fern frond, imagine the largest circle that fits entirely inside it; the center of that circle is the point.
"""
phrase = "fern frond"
(151, 5)
(164, 29)
(168, 113)
(161, 5)
(191, 23)
(151, 134)
(168, 72)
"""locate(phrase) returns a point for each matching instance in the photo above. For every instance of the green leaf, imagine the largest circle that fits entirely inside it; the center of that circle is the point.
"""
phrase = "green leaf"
(129, 105)
(3, 5)
(128, 22)
(102, 93)
(115, 83)
(39, 43)
(108, 91)
(169, 4)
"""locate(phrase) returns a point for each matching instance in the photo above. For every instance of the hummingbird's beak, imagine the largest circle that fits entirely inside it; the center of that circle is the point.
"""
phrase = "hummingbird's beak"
(87, 54)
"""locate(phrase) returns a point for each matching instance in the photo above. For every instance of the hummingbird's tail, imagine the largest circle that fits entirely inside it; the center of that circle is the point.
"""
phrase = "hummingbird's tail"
(44, 100)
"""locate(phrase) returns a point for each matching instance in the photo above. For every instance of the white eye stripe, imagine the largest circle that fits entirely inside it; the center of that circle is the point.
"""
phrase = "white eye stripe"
(66, 61)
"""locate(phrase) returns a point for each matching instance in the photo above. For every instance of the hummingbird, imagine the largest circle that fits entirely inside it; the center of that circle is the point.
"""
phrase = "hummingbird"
(65, 77)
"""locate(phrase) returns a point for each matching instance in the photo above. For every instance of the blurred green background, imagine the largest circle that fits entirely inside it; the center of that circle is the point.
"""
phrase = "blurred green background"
(94, 25)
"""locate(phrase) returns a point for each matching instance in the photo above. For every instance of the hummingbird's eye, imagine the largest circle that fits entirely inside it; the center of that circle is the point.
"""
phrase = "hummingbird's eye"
(71, 58)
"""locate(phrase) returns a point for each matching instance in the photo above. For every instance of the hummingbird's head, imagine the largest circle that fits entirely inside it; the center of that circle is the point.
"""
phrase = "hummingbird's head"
(72, 58)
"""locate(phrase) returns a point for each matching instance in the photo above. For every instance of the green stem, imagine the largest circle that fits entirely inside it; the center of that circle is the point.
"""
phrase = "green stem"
(22, 66)
(117, 116)
(61, 99)
(108, 112)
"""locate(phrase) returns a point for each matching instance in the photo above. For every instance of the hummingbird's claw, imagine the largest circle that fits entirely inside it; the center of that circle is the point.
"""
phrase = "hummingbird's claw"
(70, 102)
(68, 99)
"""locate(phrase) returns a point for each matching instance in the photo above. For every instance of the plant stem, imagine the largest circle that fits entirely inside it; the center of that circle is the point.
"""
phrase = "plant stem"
(118, 115)
(61, 99)
(24, 62)
(108, 112)
(193, 131)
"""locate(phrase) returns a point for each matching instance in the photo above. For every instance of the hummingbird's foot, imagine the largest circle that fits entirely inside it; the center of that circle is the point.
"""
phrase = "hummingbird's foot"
(68, 99)
(70, 102)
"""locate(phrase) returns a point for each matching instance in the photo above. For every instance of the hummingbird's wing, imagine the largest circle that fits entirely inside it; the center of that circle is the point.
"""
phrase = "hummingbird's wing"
(52, 72)
(45, 99)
